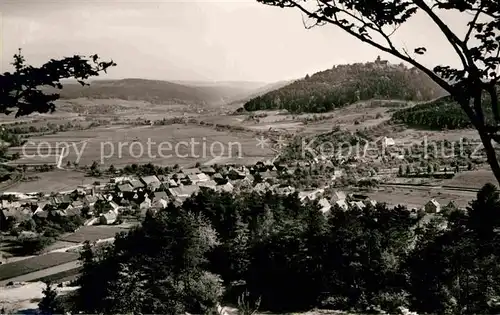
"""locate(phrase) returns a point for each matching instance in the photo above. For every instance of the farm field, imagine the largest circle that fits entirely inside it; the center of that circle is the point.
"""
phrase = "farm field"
(161, 145)
(472, 179)
(93, 233)
(52, 272)
(418, 197)
(18, 268)
(53, 181)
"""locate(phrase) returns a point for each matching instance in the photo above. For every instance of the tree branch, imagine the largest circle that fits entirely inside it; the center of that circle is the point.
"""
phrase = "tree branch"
(452, 38)
(472, 24)
(444, 84)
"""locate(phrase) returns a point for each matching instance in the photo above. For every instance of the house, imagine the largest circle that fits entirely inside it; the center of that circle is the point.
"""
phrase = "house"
(180, 176)
(372, 203)
(337, 174)
(191, 171)
(42, 214)
(125, 188)
(268, 174)
(303, 195)
(160, 200)
(163, 178)
(203, 177)
(357, 204)
(208, 170)
(172, 183)
(10, 205)
(311, 195)
(136, 184)
(249, 178)
(284, 190)
(227, 187)
(432, 206)
(151, 182)
(325, 205)
(78, 204)
(338, 196)
(219, 178)
(145, 204)
(108, 218)
(183, 191)
(120, 179)
(236, 174)
(208, 184)
(90, 200)
(342, 204)
(73, 212)
(160, 195)
(193, 178)
(388, 142)
(34, 208)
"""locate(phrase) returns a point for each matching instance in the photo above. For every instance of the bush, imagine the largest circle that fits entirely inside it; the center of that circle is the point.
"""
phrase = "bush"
(33, 245)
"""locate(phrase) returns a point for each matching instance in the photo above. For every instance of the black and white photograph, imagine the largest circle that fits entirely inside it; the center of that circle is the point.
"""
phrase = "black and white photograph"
(250, 157)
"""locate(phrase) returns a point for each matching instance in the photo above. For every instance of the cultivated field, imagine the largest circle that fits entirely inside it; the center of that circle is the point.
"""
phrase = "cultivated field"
(161, 145)
(54, 181)
(93, 233)
(472, 179)
(33, 264)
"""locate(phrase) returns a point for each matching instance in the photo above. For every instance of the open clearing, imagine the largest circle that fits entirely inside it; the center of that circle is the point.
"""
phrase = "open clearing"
(161, 145)
(25, 266)
(418, 197)
(472, 179)
(93, 233)
(53, 181)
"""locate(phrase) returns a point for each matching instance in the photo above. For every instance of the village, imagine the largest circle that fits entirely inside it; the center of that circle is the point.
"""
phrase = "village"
(96, 212)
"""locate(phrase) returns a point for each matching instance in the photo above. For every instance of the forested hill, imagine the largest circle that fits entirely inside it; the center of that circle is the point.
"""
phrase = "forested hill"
(158, 92)
(346, 84)
(443, 113)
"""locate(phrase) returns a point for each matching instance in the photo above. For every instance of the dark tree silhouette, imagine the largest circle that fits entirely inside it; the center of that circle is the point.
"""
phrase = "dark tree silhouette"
(22, 91)
(375, 21)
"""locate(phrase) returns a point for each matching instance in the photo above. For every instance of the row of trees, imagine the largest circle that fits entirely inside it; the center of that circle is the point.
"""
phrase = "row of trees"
(344, 85)
(291, 257)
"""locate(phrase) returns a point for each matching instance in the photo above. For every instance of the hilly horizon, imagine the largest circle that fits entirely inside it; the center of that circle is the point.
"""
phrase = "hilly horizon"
(163, 92)
(346, 84)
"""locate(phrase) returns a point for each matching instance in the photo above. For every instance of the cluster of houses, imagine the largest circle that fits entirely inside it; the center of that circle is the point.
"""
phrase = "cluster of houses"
(103, 204)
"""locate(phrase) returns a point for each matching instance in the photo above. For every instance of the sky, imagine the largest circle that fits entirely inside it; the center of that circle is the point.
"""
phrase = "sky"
(239, 40)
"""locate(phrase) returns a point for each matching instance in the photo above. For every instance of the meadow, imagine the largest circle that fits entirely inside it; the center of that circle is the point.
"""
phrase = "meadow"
(161, 145)
(25, 266)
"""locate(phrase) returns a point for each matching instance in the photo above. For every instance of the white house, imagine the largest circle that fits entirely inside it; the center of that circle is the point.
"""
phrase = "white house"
(342, 204)
(325, 205)
(108, 218)
(388, 142)
(432, 206)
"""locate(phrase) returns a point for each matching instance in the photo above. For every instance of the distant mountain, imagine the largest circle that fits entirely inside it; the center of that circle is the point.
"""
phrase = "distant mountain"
(346, 84)
(243, 85)
(261, 91)
(159, 92)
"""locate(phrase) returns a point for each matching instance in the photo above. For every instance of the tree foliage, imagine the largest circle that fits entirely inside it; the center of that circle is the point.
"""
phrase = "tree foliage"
(284, 255)
(477, 48)
(22, 91)
(443, 113)
(347, 84)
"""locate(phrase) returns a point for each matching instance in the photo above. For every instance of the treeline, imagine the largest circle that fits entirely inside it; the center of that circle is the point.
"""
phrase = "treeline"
(443, 113)
(347, 84)
(284, 256)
